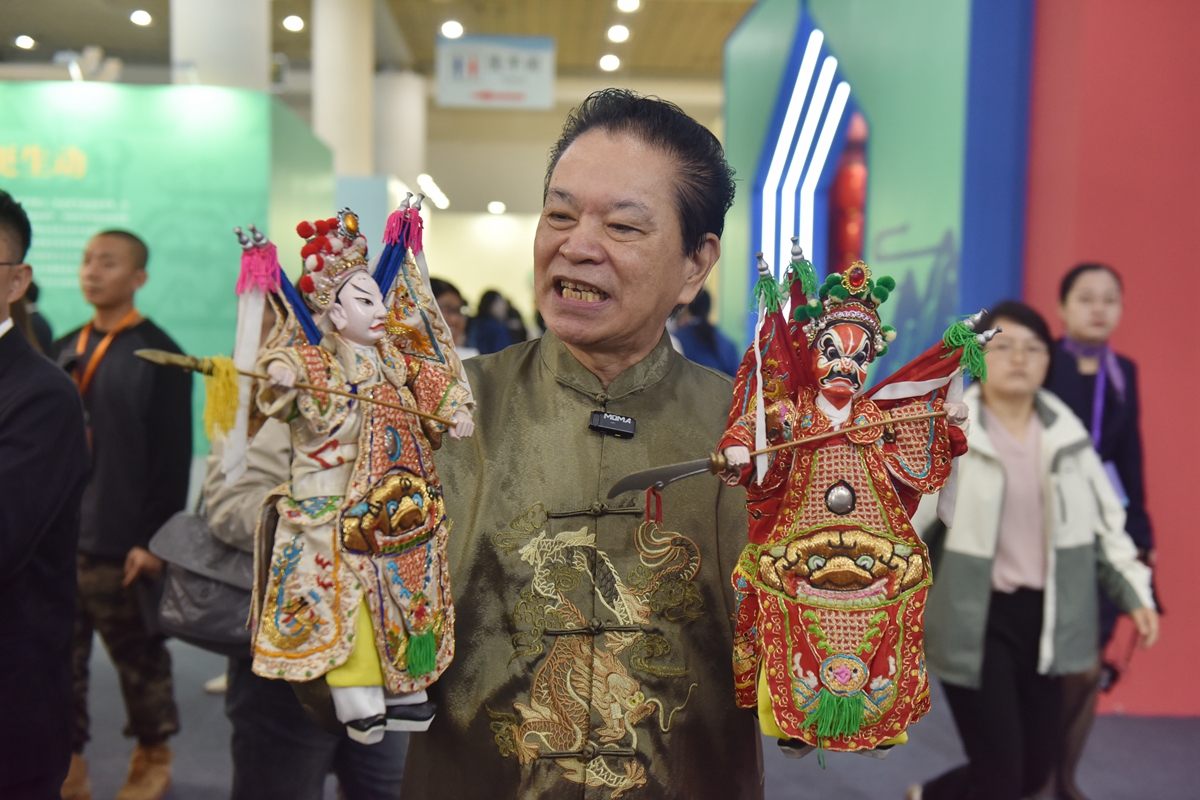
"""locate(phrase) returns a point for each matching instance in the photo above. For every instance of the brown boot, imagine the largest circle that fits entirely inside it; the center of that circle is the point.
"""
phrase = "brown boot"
(149, 773)
(76, 786)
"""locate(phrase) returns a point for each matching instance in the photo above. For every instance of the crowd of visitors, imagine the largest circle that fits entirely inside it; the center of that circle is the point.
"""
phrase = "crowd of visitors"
(1049, 542)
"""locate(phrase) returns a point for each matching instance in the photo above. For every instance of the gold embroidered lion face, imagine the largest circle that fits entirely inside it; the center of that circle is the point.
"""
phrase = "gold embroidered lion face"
(402, 511)
(847, 561)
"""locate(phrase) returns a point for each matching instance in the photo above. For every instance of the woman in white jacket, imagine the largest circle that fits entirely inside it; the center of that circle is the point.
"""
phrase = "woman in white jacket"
(1013, 605)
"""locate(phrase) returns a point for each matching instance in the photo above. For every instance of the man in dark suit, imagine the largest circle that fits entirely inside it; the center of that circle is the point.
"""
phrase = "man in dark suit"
(43, 467)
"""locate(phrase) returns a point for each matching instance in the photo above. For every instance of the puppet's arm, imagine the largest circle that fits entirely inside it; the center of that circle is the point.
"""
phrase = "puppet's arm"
(310, 364)
(438, 392)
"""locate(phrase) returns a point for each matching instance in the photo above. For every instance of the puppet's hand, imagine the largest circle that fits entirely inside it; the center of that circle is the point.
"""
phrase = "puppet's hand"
(736, 459)
(956, 413)
(281, 377)
(463, 426)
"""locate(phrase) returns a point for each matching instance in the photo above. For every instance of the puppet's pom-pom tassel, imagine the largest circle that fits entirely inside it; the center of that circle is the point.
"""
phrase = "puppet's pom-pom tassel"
(221, 398)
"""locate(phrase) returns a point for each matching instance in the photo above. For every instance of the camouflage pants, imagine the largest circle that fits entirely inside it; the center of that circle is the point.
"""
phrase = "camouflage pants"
(141, 658)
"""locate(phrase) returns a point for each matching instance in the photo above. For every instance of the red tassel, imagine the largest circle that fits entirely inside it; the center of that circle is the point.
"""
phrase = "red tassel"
(260, 270)
(416, 228)
(394, 228)
(305, 229)
(322, 227)
(305, 284)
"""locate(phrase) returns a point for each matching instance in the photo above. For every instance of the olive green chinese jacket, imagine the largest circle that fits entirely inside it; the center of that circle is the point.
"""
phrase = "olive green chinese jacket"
(594, 652)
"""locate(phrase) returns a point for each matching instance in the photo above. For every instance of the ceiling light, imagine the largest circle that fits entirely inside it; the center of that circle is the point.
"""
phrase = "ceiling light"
(496, 207)
(452, 29)
(140, 17)
(434, 191)
(609, 62)
(629, 5)
(293, 23)
(24, 42)
(618, 33)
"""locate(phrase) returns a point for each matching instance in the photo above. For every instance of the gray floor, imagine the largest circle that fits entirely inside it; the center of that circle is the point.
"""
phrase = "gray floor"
(1128, 758)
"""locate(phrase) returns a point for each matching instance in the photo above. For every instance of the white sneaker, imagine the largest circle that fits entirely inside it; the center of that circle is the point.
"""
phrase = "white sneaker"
(217, 685)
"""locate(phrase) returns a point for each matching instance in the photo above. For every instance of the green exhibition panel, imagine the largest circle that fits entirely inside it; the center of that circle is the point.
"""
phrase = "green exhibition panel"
(180, 166)
(907, 65)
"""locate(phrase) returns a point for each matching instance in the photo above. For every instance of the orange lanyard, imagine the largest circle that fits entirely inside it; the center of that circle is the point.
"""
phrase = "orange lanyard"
(131, 319)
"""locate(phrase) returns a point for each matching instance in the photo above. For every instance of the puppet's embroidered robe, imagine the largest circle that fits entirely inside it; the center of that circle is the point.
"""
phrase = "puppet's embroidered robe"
(831, 587)
(363, 518)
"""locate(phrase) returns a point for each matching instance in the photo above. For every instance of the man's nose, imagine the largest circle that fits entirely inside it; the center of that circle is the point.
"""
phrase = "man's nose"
(583, 244)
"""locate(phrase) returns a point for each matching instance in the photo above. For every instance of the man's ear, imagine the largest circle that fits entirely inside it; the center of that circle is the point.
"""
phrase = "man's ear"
(140, 276)
(698, 265)
(22, 275)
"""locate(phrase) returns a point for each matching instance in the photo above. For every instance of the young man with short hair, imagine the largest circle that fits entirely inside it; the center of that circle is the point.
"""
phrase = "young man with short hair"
(43, 466)
(140, 429)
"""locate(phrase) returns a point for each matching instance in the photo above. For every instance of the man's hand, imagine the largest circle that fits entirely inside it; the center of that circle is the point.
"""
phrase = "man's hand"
(736, 459)
(1146, 620)
(282, 378)
(956, 413)
(463, 425)
(141, 562)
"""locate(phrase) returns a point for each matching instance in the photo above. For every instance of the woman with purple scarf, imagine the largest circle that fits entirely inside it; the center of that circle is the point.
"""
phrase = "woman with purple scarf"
(1101, 388)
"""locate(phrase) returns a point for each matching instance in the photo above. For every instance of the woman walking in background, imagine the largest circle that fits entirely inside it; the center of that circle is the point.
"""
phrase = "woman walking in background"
(702, 342)
(489, 327)
(1101, 388)
(1035, 526)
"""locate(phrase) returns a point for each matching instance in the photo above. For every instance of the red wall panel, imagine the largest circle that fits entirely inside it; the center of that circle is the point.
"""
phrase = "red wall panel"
(1114, 176)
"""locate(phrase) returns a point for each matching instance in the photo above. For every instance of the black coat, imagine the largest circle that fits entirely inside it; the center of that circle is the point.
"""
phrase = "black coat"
(43, 467)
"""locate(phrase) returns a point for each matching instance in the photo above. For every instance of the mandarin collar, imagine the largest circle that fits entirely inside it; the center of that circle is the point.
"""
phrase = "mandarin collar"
(571, 373)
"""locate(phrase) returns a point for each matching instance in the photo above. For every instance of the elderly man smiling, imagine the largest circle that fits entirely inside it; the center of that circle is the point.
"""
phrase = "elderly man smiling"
(593, 651)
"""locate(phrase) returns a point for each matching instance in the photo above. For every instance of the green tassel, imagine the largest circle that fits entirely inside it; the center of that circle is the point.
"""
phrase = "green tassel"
(422, 654)
(836, 715)
(958, 336)
(768, 292)
(804, 272)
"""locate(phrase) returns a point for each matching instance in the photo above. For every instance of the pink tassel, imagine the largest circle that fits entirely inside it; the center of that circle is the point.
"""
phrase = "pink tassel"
(260, 270)
(416, 229)
(395, 226)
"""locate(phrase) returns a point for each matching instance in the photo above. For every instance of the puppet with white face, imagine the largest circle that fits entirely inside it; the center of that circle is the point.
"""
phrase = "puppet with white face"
(353, 588)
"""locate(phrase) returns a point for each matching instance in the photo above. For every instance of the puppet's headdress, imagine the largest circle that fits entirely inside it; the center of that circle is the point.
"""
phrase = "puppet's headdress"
(334, 252)
(851, 297)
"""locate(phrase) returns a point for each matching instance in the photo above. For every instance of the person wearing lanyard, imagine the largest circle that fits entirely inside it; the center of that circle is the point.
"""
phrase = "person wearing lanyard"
(140, 432)
(1101, 388)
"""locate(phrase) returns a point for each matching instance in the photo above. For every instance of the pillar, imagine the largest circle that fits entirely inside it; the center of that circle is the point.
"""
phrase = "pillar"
(400, 125)
(221, 43)
(343, 92)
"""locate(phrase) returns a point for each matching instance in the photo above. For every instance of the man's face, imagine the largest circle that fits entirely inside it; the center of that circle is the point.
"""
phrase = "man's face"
(110, 273)
(608, 255)
(359, 313)
(840, 357)
(14, 275)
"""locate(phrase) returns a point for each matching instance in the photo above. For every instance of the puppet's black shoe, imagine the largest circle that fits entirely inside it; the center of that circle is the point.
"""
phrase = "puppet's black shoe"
(369, 730)
(411, 717)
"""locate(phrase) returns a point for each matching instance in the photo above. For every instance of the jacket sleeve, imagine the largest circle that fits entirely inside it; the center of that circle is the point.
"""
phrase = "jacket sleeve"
(233, 510)
(1127, 456)
(169, 432)
(1122, 577)
(43, 466)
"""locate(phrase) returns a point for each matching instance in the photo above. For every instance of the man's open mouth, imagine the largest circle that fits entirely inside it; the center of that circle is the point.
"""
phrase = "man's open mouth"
(574, 290)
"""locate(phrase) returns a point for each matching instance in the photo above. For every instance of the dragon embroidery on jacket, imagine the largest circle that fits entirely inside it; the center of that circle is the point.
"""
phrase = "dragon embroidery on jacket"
(582, 674)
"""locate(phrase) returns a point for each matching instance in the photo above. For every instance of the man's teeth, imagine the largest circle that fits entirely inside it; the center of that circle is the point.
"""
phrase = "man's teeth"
(577, 291)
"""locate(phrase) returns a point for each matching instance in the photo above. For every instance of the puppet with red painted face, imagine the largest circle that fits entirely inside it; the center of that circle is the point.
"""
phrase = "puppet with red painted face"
(831, 586)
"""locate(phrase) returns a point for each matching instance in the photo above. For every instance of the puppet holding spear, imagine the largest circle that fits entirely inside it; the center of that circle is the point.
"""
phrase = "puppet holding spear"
(831, 585)
(352, 587)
